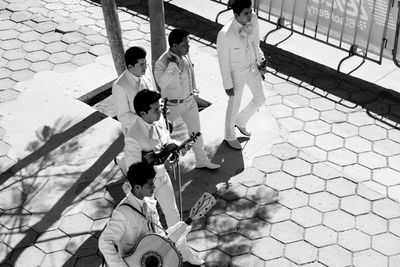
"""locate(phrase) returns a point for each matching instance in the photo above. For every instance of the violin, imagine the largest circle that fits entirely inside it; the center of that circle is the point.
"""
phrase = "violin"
(160, 157)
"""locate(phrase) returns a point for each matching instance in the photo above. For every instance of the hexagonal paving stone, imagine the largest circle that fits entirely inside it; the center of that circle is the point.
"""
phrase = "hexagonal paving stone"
(254, 228)
(301, 252)
(386, 147)
(222, 224)
(394, 162)
(231, 191)
(342, 157)
(37, 56)
(242, 209)
(21, 75)
(355, 205)
(83, 59)
(280, 111)
(98, 208)
(215, 257)
(287, 232)
(11, 199)
(11, 44)
(67, 27)
(284, 151)
(46, 26)
(249, 177)
(394, 226)
(394, 261)
(267, 248)
(293, 198)
(310, 184)
(320, 236)
(234, 244)
(324, 201)
(394, 192)
(369, 258)
(202, 240)
(30, 256)
(317, 127)
(12, 55)
(15, 218)
(273, 213)
(290, 124)
(386, 176)
(18, 64)
(335, 256)
(341, 187)
(88, 246)
(386, 243)
(306, 216)
(58, 258)
(41, 66)
(372, 132)
(99, 49)
(329, 141)
(33, 46)
(322, 104)
(4, 147)
(262, 195)
(386, 208)
(301, 139)
(72, 37)
(8, 34)
(76, 243)
(267, 164)
(354, 240)
(297, 167)
(344, 130)
(339, 220)
(59, 58)
(357, 173)
(50, 37)
(372, 160)
(306, 114)
(313, 154)
(333, 116)
(358, 144)
(247, 260)
(52, 241)
(368, 192)
(77, 223)
(280, 181)
(55, 47)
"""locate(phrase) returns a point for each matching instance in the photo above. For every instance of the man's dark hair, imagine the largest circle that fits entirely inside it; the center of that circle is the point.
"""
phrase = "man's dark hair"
(144, 99)
(133, 54)
(239, 5)
(139, 173)
(176, 36)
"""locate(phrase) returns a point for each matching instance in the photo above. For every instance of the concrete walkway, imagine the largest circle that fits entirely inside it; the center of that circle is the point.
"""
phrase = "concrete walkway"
(318, 183)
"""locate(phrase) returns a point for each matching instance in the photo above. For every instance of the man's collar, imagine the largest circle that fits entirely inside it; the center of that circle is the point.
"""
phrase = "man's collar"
(133, 199)
(136, 78)
(173, 54)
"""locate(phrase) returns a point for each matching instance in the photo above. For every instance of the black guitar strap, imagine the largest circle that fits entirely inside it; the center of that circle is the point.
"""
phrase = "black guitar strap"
(151, 224)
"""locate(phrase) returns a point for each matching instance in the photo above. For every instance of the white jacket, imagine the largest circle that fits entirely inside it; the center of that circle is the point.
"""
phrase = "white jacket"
(233, 56)
(124, 91)
(125, 228)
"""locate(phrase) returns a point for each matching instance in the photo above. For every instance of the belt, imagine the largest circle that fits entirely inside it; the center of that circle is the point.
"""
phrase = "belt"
(179, 101)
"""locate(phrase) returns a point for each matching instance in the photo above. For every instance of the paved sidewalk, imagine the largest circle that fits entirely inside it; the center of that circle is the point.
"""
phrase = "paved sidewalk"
(318, 184)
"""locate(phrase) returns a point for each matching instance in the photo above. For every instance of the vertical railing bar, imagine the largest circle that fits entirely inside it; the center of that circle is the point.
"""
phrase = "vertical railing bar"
(370, 28)
(343, 23)
(294, 8)
(282, 5)
(316, 23)
(305, 17)
(270, 10)
(386, 25)
(357, 21)
(330, 23)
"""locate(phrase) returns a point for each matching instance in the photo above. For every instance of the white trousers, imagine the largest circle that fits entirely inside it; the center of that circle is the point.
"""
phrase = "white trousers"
(190, 115)
(233, 117)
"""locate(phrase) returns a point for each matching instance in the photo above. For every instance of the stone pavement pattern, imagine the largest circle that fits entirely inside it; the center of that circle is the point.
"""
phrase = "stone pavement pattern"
(325, 192)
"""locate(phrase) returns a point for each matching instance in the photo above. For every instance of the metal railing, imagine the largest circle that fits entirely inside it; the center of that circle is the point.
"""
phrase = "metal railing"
(364, 28)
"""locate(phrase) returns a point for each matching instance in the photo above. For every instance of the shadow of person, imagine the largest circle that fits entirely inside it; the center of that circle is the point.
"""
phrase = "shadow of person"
(197, 181)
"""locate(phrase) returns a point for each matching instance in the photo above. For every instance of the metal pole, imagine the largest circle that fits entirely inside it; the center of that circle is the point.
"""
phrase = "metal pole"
(157, 29)
(113, 29)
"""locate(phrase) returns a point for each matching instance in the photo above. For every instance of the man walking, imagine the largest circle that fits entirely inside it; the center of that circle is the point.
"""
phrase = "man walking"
(174, 74)
(239, 56)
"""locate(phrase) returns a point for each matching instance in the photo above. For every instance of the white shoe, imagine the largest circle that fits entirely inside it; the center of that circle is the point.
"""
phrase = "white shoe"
(207, 164)
(243, 130)
(235, 144)
(188, 255)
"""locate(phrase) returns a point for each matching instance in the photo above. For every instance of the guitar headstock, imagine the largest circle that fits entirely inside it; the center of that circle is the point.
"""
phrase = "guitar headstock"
(202, 206)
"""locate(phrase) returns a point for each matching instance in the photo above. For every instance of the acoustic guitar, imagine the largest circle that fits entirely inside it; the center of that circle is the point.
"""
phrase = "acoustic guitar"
(160, 157)
(153, 250)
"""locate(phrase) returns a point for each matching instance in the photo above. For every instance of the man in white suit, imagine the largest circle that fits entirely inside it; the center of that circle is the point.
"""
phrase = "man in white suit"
(239, 56)
(128, 84)
(174, 74)
(148, 133)
(126, 225)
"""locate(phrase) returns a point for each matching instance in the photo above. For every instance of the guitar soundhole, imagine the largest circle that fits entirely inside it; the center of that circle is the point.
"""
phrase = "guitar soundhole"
(151, 259)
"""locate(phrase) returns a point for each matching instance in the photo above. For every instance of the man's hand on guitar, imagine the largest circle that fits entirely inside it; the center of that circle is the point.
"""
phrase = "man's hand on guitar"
(171, 161)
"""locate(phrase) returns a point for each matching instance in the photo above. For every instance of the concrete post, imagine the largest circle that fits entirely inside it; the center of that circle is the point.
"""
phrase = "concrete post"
(114, 35)
(157, 29)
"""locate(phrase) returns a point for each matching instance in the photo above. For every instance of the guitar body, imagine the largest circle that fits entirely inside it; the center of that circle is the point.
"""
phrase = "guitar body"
(153, 250)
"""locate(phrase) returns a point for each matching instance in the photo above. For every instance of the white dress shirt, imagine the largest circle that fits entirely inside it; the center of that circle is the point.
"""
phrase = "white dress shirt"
(124, 91)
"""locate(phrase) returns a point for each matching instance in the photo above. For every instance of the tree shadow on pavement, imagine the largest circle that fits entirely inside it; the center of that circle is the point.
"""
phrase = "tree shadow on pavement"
(52, 183)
